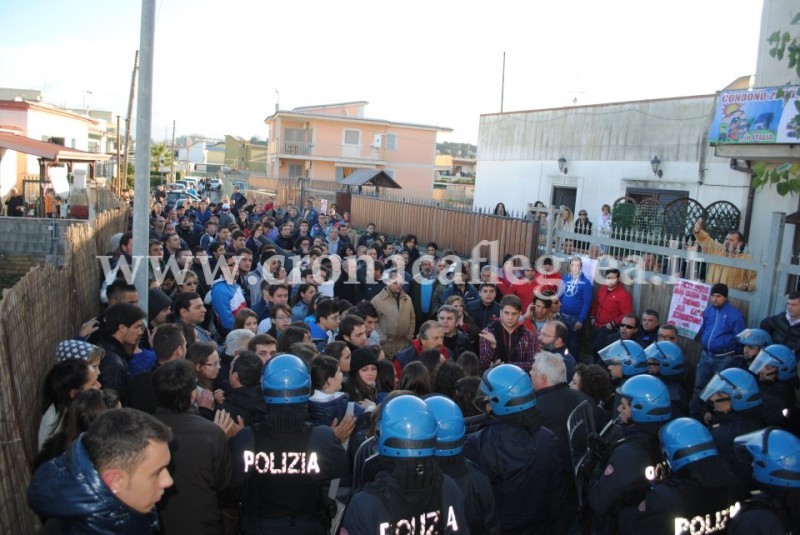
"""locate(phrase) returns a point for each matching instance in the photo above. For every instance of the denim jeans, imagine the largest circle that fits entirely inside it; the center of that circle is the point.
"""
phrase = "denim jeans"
(574, 337)
(707, 366)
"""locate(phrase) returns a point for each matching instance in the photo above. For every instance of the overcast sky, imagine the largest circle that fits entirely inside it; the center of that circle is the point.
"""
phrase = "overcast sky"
(218, 64)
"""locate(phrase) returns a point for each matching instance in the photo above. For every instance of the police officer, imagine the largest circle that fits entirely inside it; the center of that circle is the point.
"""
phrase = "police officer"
(521, 457)
(753, 341)
(624, 359)
(411, 495)
(470, 478)
(776, 468)
(643, 408)
(699, 485)
(281, 462)
(737, 410)
(665, 361)
(776, 369)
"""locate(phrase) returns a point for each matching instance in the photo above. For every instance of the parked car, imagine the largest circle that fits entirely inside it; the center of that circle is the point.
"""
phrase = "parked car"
(177, 186)
(180, 198)
(215, 184)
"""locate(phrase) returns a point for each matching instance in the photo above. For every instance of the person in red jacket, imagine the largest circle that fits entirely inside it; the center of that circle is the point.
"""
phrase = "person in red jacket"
(545, 280)
(611, 303)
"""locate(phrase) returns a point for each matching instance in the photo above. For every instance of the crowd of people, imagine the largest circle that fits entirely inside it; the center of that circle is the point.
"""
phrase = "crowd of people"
(292, 375)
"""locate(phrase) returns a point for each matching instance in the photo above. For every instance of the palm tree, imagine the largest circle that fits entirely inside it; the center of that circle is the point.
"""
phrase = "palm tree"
(160, 156)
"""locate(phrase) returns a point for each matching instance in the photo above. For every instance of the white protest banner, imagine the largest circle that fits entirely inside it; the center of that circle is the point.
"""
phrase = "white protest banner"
(689, 300)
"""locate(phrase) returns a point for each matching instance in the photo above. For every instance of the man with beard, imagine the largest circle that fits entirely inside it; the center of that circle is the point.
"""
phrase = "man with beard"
(553, 337)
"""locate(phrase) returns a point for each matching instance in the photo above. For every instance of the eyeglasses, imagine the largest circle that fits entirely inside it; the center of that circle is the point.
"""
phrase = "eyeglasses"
(627, 326)
(215, 364)
(582, 213)
(282, 317)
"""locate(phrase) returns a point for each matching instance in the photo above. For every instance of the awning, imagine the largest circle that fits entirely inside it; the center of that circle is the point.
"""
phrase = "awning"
(48, 151)
(367, 177)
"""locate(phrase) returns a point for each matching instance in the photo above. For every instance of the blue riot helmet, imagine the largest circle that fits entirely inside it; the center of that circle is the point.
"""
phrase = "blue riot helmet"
(739, 384)
(509, 389)
(668, 356)
(285, 380)
(649, 399)
(754, 337)
(450, 427)
(775, 454)
(628, 354)
(684, 441)
(406, 429)
(779, 356)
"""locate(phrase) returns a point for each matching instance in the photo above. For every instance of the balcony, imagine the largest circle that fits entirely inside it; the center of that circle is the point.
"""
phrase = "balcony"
(331, 152)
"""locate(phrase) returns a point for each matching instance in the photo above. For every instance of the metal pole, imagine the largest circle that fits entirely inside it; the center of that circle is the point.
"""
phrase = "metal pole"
(128, 117)
(172, 160)
(120, 175)
(144, 110)
(503, 83)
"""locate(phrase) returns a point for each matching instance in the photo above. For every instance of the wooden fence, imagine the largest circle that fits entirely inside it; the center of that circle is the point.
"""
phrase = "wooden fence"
(46, 306)
(459, 230)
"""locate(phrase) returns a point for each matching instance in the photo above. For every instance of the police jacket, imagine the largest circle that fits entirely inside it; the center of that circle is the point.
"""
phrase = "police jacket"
(623, 481)
(384, 504)
(281, 472)
(479, 506)
(762, 515)
(681, 504)
(523, 463)
(70, 492)
(775, 397)
(726, 427)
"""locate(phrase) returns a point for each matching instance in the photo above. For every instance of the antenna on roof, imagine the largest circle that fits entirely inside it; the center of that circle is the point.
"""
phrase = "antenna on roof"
(277, 100)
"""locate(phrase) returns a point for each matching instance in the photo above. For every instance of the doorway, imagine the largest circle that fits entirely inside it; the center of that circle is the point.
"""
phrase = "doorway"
(564, 196)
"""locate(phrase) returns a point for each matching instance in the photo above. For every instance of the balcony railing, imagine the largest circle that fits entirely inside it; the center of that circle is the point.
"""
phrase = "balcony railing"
(324, 150)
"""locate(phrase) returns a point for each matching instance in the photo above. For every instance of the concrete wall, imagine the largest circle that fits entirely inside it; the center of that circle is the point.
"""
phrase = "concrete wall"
(25, 242)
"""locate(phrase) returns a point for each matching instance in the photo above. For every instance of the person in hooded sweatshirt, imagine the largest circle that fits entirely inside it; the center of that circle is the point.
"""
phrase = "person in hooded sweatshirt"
(109, 481)
(521, 457)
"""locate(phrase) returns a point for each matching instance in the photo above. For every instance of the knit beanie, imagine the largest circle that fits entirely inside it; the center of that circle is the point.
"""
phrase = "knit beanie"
(719, 288)
(156, 302)
(360, 358)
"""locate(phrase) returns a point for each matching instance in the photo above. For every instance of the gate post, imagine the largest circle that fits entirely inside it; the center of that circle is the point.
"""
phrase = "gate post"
(773, 260)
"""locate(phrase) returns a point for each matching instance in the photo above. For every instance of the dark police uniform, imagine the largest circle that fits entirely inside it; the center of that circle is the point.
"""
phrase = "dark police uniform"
(281, 474)
(623, 480)
(724, 428)
(386, 507)
(680, 505)
(476, 488)
(526, 473)
(762, 515)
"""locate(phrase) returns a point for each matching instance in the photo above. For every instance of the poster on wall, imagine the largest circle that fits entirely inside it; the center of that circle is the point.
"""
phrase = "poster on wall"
(689, 300)
(765, 115)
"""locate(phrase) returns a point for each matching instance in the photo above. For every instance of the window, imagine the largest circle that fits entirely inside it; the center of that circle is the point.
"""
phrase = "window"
(391, 141)
(663, 196)
(352, 137)
(295, 170)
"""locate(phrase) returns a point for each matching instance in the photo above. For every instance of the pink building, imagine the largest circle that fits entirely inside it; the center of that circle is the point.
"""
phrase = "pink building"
(331, 141)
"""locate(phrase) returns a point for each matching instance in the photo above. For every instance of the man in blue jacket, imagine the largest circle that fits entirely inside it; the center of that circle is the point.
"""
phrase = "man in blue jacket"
(721, 323)
(575, 304)
(110, 478)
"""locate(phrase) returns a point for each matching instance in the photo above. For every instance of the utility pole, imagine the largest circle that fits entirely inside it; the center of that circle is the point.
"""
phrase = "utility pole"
(172, 160)
(120, 175)
(503, 83)
(144, 112)
(128, 117)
